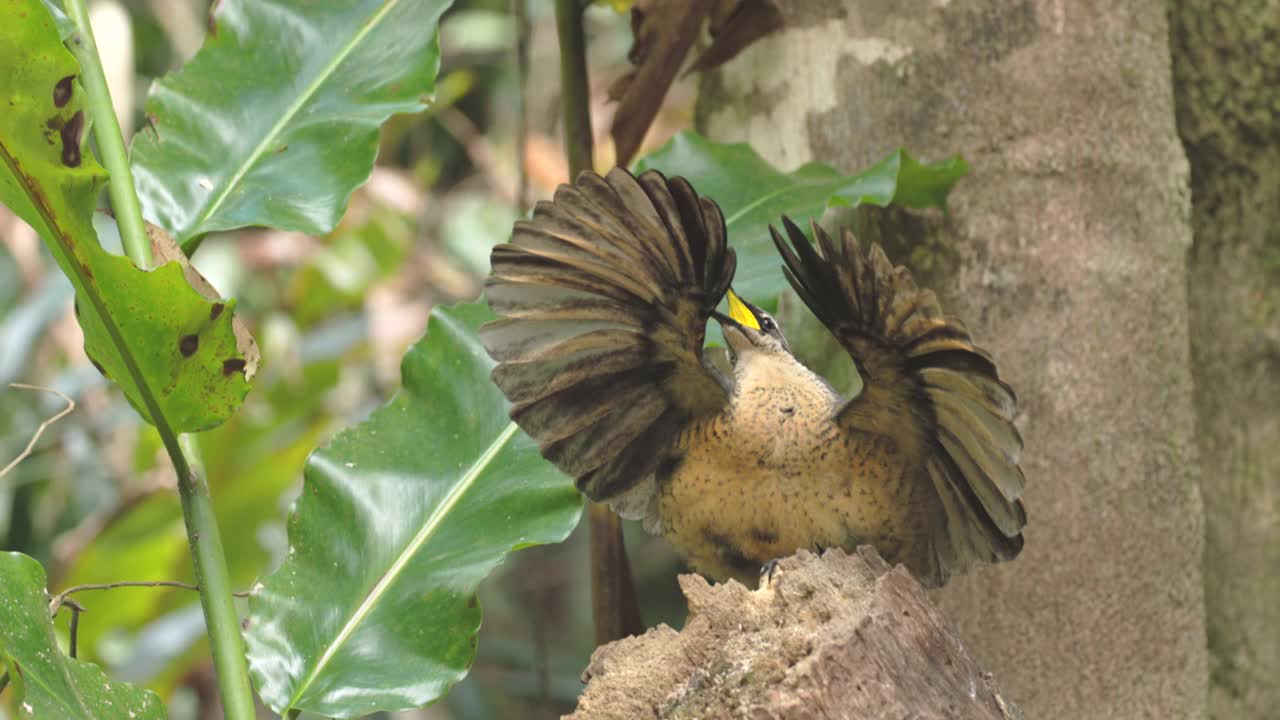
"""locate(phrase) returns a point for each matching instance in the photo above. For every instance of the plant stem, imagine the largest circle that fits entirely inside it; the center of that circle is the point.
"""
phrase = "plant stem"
(106, 130)
(615, 608)
(197, 507)
(575, 98)
(520, 13)
(214, 582)
(613, 597)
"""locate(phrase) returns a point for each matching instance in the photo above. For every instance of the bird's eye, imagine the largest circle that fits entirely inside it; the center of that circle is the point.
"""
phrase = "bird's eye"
(767, 324)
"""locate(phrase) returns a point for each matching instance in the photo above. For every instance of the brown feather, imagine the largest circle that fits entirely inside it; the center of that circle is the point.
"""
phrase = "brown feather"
(603, 298)
(927, 384)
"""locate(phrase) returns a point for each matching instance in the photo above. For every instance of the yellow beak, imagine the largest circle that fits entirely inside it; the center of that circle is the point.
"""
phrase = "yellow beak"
(740, 313)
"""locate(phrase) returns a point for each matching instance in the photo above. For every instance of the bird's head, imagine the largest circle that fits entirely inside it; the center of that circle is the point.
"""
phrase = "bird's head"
(748, 329)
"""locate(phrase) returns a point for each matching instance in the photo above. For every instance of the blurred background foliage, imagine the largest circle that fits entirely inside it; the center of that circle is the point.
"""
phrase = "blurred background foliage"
(95, 502)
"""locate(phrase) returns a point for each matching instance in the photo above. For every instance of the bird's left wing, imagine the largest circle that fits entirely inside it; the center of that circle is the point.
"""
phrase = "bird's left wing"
(604, 297)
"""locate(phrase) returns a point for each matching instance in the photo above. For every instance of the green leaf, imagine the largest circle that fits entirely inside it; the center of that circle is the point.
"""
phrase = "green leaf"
(752, 193)
(46, 683)
(183, 356)
(275, 121)
(400, 519)
(65, 25)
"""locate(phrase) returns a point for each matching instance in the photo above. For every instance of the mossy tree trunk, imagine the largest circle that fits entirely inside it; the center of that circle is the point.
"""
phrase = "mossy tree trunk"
(1066, 253)
(1226, 60)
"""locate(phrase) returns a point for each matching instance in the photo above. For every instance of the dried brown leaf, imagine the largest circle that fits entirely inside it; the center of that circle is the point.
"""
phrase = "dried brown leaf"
(664, 31)
(734, 26)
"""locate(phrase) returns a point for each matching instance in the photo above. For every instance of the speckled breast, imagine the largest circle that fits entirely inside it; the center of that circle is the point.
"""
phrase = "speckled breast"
(774, 474)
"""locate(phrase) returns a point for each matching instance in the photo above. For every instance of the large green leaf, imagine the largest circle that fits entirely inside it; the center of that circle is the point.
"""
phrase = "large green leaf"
(46, 683)
(752, 193)
(182, 355)
(400, 519)
(275, 121)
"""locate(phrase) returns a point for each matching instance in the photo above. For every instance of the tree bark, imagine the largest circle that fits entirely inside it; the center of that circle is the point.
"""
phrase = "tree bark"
(841, 637)
(1226, 59)
(1065, 253)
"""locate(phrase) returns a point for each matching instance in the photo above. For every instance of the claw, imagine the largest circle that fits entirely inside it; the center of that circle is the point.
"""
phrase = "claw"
(767, 570)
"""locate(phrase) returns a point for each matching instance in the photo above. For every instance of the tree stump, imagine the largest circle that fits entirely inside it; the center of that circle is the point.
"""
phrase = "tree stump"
(836, 636)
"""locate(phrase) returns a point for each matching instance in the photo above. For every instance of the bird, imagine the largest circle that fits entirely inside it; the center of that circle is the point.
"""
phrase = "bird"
(603, 297)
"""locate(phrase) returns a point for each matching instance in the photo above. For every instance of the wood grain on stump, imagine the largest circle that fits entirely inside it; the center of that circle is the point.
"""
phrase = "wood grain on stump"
(836, 636)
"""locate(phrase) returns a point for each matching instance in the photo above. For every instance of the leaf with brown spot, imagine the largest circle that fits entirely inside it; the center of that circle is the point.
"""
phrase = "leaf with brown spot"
(233, 365)
(152, 332)
(664, 31)
(164, 249)
(62, 91)
(72, 134)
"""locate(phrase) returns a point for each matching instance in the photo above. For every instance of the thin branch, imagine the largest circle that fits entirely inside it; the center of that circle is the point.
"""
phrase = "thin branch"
(74, 632)
(62, 598)
(519, 11)
(31, 444)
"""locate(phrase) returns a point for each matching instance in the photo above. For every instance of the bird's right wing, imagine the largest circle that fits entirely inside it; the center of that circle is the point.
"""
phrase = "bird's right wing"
(929, 388)
(604, 298)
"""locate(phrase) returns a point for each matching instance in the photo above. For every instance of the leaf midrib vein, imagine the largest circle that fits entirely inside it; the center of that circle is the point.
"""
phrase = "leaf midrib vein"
(290, 112)
(428, 529)
(767, 197)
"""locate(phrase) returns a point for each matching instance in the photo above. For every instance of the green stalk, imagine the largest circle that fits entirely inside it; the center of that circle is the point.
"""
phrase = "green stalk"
(106, 130)
(520, 13)
(575, 99)
(197, 507)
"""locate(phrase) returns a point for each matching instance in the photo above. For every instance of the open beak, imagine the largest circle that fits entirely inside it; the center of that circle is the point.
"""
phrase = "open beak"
(724, 320)
(735, 324)
(741, 312)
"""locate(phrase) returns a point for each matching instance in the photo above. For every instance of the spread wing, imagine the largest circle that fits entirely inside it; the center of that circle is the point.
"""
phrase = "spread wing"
(927, 385)
(604, 298)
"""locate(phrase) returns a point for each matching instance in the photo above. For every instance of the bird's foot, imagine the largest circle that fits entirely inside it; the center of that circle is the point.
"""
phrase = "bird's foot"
(767, 570)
